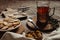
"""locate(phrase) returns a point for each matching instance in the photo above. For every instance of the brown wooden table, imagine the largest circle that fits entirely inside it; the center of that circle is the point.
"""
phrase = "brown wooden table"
(20, 29)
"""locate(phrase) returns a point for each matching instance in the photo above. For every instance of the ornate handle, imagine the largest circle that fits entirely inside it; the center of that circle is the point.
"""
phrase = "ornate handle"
(53, 11)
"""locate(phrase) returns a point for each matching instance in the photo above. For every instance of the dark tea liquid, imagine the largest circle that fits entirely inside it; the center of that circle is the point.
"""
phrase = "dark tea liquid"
(42, 13)
(42, 16)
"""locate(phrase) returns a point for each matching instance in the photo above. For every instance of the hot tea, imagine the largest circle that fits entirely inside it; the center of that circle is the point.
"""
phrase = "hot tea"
(42, 13)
